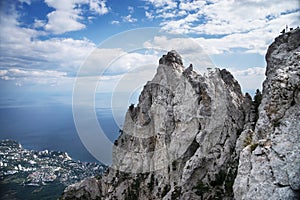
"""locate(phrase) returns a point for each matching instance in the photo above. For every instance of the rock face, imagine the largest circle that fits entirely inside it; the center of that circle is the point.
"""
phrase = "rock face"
(179, 140)
(192, 136)
(269, 168)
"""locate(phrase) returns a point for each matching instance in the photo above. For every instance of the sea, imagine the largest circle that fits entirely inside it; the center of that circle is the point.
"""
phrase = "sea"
(51, 126)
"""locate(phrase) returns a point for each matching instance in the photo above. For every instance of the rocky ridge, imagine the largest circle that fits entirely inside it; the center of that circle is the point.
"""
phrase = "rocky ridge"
(195, 136)
(269, 167)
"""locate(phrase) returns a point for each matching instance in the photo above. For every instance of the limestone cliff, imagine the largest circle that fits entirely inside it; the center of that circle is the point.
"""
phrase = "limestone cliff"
(269, 168)
(184, 138)
(179, 141)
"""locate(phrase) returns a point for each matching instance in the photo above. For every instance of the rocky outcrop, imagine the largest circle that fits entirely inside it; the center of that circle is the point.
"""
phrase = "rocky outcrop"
(88, 188)
(179, 141)
(181, 136)
(195, 136)
(269, 168)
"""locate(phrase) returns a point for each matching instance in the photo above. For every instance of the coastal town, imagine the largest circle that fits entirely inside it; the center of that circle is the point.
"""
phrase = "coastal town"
(29, 168)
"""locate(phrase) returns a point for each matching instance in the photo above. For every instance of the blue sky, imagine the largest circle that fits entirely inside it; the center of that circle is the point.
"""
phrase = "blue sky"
(44, 43)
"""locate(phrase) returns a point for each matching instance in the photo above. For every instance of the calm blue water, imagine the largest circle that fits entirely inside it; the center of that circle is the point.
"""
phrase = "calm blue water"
(50, 127)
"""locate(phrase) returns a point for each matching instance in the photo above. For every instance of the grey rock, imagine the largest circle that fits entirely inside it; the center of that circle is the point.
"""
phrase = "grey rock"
(249, 111)
(86, 189)
(181, 136)
(194, 136)
(273, 170)
(172, 56)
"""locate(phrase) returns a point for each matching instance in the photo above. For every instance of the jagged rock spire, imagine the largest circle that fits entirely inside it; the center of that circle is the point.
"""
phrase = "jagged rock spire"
(171, 57)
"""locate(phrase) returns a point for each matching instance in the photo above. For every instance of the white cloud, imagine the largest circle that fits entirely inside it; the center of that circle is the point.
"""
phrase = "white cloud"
(25, 76)
(98, 60)
(183, 45)
(130, 9)
(115, 22)
(61, 21)
(250, 79)
(130, 61)
(192, 5)
(7, 78)
(98, 6)
(110, 62)
(149, 15)
(39, 23)
(255, 41)
(3, 72)
(254, 71)
(116, 70)
(167, 4)
(69, 14)
(25, 1)
(27, 59)
(195, 51)
(20, 47)
(129, 19)
(240, 24)
(190, 49)
(16, 72)
(67, 52)
(227, 17)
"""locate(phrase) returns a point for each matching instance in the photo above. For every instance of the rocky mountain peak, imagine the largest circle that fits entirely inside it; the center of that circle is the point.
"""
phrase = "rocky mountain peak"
(172, 59)
(195, 136)
(179, 138)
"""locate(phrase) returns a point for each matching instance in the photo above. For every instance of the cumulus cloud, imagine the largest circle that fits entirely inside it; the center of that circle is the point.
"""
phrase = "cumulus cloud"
(111, 62)
(238, 24)
(226, 17)
(69, 14)
(21, 48)
(64, 18)
(129, 19)
(149, 15)
(191, 5)
(98, 6)
(115, 22)
(27, 59)
(163, 4)
(61, 21)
